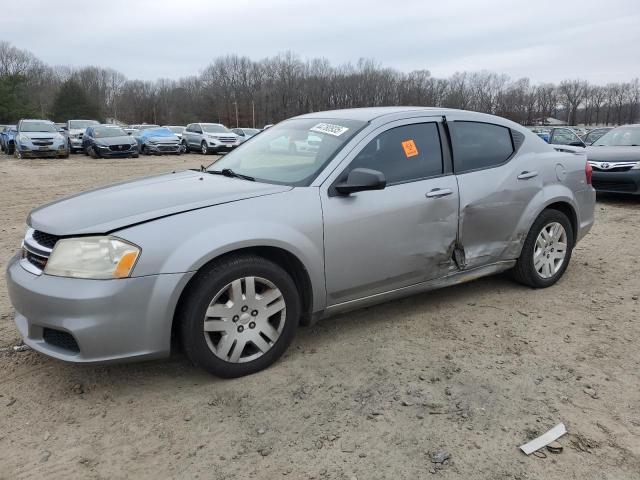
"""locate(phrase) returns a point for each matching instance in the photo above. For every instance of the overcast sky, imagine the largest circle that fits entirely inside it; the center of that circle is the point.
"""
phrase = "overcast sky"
(544, 40)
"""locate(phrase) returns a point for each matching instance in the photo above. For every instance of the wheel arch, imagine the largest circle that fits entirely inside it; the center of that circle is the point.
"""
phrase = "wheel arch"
(569, 210)
(280, 256)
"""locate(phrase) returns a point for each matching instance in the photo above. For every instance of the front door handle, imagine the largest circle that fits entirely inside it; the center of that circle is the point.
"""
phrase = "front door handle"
(439, 192)
(527, 175)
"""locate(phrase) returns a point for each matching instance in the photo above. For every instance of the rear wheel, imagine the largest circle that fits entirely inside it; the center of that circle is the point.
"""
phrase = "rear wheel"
(239, 316)
(546, 252)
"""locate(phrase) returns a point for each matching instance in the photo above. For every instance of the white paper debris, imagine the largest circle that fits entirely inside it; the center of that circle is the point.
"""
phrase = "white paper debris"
(544, 439)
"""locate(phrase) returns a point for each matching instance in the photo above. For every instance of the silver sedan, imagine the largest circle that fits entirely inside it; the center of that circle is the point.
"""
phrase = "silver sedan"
(317, 215)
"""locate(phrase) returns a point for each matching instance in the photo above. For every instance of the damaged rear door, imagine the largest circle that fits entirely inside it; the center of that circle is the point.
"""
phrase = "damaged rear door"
(497, 184)
(380, 240)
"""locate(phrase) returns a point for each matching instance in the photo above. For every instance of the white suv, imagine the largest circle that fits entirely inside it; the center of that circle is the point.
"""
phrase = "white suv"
(209, 138)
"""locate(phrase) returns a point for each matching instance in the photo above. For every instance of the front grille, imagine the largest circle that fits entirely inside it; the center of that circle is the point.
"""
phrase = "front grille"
(167, 148)
(36, 260)
(119, 148)
(227, 139)
(619, 186)
(45, 239)
(42, 142)
(60, 339)
(612, 169)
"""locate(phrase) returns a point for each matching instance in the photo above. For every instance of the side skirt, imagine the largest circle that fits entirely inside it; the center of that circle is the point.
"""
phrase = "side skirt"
(446, 281)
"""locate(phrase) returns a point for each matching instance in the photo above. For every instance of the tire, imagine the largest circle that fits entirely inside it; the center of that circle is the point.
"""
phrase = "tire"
(69, 147)
(145, 150)
(185, 146)
(214, 285)
(525, 271)
(8, 149)
(135, 155)
(16, 153)
(204, 149)
(92, 152)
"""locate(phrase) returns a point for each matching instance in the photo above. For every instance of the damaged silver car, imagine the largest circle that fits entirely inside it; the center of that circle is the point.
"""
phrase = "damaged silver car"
(362, 206)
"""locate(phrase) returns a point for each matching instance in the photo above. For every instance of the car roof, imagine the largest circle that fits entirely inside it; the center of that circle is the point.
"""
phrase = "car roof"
(367, 114)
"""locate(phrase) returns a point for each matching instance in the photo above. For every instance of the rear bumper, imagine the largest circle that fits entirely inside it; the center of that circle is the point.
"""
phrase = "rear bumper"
(103, 320)
(617, 182)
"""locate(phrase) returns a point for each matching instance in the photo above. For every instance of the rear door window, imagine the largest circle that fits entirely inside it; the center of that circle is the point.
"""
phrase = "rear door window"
(478, 145)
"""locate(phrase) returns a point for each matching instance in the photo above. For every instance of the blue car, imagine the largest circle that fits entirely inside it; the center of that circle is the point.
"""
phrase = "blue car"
(7, 139)
(156, 141)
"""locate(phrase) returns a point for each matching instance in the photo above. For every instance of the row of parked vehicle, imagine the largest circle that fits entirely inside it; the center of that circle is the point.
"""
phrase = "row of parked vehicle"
(613, 153)
(43, 138)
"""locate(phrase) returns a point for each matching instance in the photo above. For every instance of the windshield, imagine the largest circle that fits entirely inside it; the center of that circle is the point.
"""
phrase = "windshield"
(81, 124)
(106, 132)
(620, 137)
(38, 127)
(214, 128)
(158, 132)
(177, 129)
(292, 153)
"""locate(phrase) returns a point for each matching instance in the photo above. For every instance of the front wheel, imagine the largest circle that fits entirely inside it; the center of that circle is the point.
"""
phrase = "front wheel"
(239, 316)
(546, 252)
(204, 149)
(185, 146)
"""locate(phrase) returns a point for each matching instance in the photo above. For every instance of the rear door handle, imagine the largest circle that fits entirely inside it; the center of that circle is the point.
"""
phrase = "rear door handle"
(527, 175)
(439, 192)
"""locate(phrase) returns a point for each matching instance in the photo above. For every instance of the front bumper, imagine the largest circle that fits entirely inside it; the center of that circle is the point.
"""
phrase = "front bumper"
(109, 320)
(37, 152)
(160, 148)
(109, 153)
(76, 143)
(222, 147)
(617, 182)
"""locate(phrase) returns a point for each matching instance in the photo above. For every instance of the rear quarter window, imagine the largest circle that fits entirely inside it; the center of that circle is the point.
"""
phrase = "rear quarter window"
(479, 145)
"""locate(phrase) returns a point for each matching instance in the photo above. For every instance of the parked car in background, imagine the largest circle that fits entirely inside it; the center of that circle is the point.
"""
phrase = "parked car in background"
(565, 136)
(108, 141)
(60, 126)
(268, 125)
(595, 134)
(74, 131)
(615, 159)
(131, 131)
(233, 258)
(158, 141)
(7, 138)
(245, 133)
(39, 138)
(209, 138)
(144, 126)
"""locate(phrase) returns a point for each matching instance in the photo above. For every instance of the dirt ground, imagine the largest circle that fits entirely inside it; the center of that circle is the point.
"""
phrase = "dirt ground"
(473, 371)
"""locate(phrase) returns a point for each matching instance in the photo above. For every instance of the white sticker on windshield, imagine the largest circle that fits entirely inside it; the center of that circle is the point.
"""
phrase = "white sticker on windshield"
(335, 130)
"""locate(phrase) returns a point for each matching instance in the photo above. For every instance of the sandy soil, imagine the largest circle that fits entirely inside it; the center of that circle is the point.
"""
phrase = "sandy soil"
(473, 370)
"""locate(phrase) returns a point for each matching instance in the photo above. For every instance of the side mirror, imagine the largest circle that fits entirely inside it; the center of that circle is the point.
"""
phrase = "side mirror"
(577, 144)
(361, 179)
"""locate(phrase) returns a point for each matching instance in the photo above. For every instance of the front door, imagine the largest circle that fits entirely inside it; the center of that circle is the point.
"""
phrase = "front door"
(378, 241)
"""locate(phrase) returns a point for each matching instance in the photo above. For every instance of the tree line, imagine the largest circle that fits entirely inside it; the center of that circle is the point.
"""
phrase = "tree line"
(238, 90)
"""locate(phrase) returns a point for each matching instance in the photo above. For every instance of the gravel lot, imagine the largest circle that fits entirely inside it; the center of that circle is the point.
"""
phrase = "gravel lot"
(473, 370)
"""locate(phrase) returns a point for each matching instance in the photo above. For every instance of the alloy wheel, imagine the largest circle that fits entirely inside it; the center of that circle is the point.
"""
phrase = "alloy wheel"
(204, 148)
(244, 319)
(550, 250)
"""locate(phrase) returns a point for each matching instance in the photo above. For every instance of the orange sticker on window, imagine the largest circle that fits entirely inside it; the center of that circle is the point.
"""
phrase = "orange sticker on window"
(410, 149)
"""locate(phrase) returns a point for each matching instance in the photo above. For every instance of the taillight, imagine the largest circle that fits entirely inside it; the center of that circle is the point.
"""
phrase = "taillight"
(588, 171)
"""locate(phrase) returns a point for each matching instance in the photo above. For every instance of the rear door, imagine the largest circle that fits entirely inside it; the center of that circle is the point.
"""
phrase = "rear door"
(496, 184)
(378, 241)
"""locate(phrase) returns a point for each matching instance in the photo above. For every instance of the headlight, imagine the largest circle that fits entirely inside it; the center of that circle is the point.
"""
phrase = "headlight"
(23, 138)
(92, 257)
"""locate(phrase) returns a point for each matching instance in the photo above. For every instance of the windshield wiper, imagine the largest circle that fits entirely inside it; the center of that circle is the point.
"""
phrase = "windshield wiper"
(227, 172)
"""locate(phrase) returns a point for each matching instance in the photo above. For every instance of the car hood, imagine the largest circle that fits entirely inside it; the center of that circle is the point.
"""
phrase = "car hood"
(117, 206)
(124, 139)
(613, 154)
(163, 139)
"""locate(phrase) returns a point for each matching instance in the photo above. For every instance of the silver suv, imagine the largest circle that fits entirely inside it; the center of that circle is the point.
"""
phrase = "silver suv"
(209, 138)
(317, 215)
